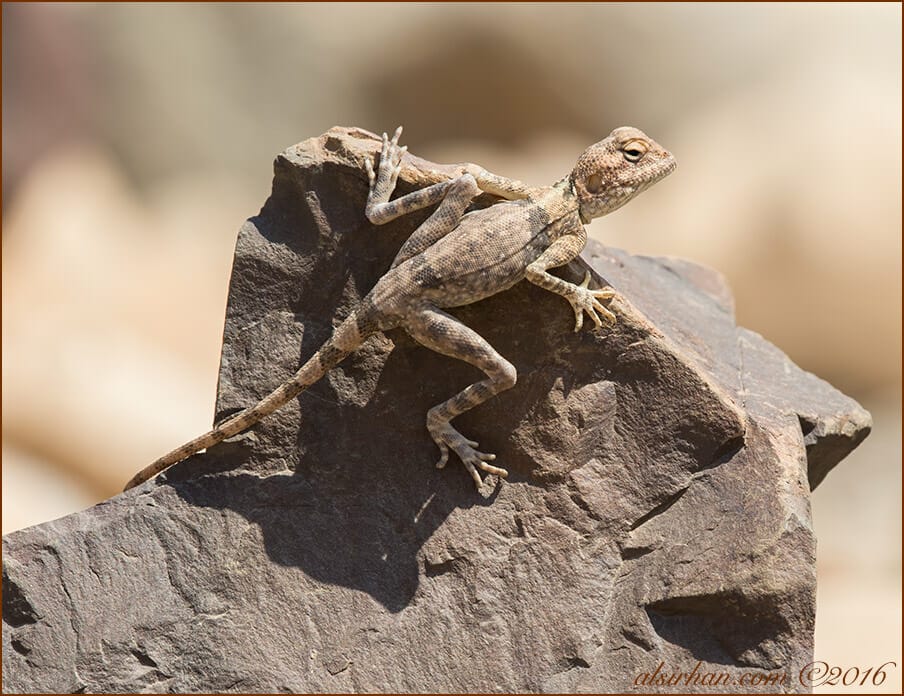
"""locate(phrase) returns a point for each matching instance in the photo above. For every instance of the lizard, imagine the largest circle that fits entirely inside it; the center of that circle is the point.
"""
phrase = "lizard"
(457, 257)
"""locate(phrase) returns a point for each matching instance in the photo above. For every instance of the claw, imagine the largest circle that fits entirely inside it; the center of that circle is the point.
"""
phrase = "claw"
(447, 437)
(489, 468)
(587, 300)
(604, 294)
(444, 455)
(383, 176)
(481, 459)
(474, 475)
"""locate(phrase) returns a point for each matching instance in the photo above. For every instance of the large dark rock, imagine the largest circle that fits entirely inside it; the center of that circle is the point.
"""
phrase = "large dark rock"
(656, 515)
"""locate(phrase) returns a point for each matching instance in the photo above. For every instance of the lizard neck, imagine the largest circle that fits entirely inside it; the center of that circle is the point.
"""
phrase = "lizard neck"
(560, 203)
(566, 184)
(561, 193)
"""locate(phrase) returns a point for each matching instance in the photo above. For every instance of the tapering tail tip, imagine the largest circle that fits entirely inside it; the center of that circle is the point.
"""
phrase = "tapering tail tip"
(347, 337)
(145, 474)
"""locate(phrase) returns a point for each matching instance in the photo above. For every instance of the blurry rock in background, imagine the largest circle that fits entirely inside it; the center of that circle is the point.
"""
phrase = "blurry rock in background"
(137, 138)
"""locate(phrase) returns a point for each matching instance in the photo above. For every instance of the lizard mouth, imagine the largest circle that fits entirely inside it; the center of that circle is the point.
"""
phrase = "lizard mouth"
(671, 164)
(658, 171)
(662, 169)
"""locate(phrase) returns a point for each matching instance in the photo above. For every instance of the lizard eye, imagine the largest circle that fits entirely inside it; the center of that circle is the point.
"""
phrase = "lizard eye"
(594, 183)
(634, 150)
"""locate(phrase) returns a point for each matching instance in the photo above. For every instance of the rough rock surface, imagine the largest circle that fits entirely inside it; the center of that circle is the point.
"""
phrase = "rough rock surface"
(656, 515)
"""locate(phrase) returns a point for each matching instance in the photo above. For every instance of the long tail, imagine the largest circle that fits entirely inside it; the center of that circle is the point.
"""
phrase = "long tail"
(344, 341)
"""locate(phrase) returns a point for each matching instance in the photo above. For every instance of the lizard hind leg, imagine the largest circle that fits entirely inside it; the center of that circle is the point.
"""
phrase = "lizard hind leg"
(443, 333)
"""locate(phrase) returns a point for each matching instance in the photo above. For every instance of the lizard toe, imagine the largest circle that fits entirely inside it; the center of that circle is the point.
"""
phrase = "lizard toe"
(444, 455)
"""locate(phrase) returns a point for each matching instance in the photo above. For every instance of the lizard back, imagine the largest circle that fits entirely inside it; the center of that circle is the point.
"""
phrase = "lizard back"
(484, 254)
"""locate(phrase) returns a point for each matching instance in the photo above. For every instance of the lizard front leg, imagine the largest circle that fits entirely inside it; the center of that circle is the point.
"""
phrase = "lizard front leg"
(581, 297)
(443, 333)
(509, 189)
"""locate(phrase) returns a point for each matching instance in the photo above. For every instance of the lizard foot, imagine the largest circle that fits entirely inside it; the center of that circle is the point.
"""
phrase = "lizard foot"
(586, 300)
(445, 436)
(383, 180)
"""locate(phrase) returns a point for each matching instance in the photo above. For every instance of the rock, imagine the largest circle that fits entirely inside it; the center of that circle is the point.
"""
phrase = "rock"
(656, 518)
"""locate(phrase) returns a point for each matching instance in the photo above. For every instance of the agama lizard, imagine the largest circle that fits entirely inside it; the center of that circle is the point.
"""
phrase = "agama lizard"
(457, 257)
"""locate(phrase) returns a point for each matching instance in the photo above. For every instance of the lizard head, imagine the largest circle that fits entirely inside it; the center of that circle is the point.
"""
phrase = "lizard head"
(613, 171)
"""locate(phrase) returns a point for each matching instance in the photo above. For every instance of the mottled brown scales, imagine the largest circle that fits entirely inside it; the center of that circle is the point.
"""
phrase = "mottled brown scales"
(455, 258)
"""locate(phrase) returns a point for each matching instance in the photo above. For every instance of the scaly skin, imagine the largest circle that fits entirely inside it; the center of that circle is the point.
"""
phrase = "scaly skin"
(454, 259)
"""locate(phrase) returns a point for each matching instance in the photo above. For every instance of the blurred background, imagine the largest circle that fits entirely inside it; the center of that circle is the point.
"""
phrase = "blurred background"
(137, 138)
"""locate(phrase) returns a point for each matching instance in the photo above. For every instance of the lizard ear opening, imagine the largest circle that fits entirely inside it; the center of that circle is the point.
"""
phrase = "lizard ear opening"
(594, 183)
